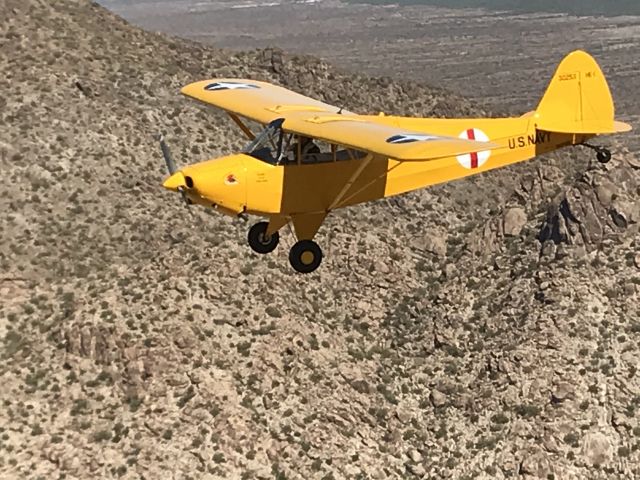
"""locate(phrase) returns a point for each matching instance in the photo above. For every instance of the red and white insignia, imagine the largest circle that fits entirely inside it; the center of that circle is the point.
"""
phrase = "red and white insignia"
(475, 159)
(230, 179)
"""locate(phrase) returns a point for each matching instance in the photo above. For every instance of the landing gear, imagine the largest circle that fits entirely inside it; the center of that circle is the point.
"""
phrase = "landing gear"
(305, 256)
(602, 154)
(259, 241)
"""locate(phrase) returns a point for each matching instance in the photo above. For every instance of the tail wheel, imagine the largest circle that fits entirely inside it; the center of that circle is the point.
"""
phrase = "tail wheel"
(603, 155)
(259, 241)
(305, 256)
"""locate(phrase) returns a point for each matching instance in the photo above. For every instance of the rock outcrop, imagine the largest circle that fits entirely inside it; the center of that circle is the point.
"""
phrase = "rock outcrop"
(598, 206)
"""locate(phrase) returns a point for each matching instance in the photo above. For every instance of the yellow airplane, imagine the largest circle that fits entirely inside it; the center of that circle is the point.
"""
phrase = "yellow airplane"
(312, 158)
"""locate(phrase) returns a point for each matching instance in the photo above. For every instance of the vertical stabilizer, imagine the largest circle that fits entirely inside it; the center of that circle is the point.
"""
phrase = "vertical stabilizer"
(578, 99)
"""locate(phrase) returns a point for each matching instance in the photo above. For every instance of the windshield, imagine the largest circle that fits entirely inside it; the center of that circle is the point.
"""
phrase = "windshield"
(267, 145)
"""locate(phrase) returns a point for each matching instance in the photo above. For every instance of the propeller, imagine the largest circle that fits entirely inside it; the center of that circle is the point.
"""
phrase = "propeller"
(166, 153)
(171, 166)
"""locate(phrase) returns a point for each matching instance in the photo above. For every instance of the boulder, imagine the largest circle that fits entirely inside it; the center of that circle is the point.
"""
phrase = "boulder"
(437, 398)
(514, 221)
(597, 448)
(562, 391)
(435, 243)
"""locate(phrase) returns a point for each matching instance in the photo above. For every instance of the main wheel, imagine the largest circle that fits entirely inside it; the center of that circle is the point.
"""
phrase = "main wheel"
(603, 155)
(259, 241)
(305, 256)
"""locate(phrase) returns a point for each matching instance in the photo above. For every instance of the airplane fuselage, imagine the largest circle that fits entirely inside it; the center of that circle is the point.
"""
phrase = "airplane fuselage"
(241, 183)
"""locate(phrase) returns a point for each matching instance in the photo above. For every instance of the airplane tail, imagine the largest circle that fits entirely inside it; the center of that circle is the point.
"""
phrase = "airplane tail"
(578, 99)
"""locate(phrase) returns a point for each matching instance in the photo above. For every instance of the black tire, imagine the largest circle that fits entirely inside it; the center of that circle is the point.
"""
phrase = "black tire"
(305, 256)
(258, 240)
(603, 155)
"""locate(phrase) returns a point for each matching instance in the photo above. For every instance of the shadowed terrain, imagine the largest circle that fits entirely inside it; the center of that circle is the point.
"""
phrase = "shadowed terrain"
(486, 328)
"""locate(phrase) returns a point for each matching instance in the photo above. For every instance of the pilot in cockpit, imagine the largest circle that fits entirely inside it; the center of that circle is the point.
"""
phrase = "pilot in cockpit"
(307, 148)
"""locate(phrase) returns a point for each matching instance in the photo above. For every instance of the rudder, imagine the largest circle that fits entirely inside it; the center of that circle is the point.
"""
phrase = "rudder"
(578, 99)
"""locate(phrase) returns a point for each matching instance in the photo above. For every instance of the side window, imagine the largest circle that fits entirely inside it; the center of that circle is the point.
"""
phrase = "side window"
(304, 150)
(349, 154)
(317, 151)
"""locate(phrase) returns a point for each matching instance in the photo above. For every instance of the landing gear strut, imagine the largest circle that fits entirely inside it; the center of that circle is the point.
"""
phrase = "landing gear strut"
(602, 154)
(305, 256)
(259, 241)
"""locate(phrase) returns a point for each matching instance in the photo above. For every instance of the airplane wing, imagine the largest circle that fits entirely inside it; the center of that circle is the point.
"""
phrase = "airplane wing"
(264, 102)
(259, 101)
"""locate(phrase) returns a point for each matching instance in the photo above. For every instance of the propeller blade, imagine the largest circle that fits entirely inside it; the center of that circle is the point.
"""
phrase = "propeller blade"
(185, 197)
(166, 153)
(171, 166)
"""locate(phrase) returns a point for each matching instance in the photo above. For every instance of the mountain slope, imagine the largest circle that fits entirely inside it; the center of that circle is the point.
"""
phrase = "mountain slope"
(470, 329)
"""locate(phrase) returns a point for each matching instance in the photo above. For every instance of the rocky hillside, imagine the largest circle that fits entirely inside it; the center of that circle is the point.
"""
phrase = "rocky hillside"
(486, 328)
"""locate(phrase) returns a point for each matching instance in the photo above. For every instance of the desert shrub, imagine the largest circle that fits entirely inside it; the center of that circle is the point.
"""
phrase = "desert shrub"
(571, 439)
(218, 457)
(101, 436)
(527, 411)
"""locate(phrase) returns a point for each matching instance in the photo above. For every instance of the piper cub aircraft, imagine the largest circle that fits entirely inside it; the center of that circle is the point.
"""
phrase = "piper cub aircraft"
(283, 173)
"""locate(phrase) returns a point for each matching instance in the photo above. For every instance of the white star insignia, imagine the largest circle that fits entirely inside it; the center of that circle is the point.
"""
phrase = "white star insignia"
(212, 87)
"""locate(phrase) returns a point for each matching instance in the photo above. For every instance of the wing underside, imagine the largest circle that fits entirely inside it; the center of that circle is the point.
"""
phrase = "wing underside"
(263, 102)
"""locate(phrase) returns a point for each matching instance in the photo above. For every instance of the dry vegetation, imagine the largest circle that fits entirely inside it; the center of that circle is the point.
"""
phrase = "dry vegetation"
(486, 328)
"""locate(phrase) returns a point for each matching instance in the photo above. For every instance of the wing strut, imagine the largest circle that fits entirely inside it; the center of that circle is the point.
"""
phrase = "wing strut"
(242, 126)
(366, 161)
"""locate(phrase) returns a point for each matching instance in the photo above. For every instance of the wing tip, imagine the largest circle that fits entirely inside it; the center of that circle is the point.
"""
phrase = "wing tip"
(190, 89)
(621, 127)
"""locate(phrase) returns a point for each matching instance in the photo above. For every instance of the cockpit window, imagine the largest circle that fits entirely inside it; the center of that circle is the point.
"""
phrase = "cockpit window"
(276, 147)
(267, 145)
